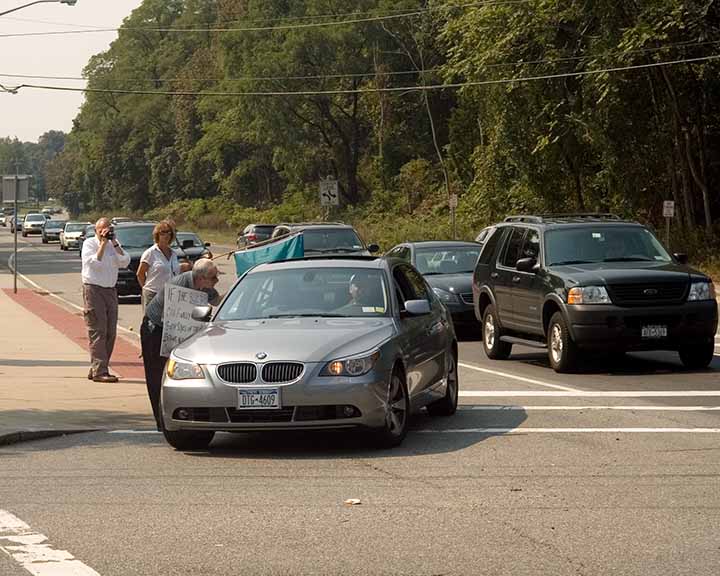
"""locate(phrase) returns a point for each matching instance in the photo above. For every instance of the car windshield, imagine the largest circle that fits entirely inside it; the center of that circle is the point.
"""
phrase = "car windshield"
(75, 227)
(262, 232)
(332, 240)
(303, 291)
(595, 244)
(182, 236)
(135, 236)
(446, 260)
(54, 224)
(35, 218)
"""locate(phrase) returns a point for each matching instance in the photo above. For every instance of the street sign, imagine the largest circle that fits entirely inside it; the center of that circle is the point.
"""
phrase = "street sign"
(329, 195)
(669, 209)
(453, 201)
(9, 186)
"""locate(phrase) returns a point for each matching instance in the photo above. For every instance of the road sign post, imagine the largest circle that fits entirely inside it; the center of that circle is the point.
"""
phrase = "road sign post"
(669, 213)
(329, 195)
(453, 203)
(14, 189)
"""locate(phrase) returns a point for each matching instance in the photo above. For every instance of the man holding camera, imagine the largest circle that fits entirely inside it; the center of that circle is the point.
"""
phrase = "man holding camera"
(102, 257)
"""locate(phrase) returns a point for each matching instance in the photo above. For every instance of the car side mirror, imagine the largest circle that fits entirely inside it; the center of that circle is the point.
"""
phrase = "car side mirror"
(201, 313)
(372, 248)
(207, 244)
(526, 264)
(681, 257)
(186, 244)
(417, 307)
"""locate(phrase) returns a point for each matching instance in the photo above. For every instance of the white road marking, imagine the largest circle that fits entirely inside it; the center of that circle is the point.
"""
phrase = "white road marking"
(515, 377)
(571, 431)
(31, 550)
(134, 432)
(502, 408)
(589, 394)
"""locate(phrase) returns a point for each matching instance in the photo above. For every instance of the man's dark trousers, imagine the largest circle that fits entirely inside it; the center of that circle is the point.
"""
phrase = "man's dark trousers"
(151, 340)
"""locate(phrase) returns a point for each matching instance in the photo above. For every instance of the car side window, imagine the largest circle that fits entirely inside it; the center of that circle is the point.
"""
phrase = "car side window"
(403, 253)
(417, 282)
(531, 247)
(492, 239)
(512, 248)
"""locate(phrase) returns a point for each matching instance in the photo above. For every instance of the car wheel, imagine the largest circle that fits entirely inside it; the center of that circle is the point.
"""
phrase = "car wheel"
(447, 406)
(24, 235)
(698, 355)
(45, 240)
(187, 440)
(562, 350)
(397, 412)
(494, 348)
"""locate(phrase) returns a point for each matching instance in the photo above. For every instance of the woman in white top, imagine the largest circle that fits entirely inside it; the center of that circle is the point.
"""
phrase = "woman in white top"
(158, 263)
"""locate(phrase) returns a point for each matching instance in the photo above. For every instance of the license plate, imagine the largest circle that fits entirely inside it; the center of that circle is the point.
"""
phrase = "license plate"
(258, 398)
(654, 331)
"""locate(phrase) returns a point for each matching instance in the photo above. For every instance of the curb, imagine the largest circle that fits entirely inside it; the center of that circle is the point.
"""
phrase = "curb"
(29, 435)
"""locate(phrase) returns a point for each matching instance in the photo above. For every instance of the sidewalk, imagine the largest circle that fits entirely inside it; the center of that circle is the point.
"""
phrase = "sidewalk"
(44, 363)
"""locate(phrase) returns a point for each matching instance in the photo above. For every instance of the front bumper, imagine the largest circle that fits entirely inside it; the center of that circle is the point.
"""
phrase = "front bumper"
(313, 402)
(32, 230)
(611, 327)
(51, 236)
(72, 242)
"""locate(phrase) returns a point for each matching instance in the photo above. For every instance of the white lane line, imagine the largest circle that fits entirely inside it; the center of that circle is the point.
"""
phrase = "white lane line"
(31, 550)
(586, 394)
(571, 431)
(510, 408)
(515, 377)
(134, 432)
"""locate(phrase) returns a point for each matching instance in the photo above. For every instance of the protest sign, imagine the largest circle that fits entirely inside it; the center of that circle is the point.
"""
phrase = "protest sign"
(178, 324)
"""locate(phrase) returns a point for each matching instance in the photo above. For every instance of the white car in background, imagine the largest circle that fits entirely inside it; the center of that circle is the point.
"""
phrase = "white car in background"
(70, 234)
(3, 220)
(33, 224)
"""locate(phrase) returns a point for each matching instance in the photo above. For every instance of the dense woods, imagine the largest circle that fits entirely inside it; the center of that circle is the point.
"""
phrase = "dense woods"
(547, 105)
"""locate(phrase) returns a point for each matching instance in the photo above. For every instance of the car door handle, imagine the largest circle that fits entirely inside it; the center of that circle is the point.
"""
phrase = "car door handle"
(516, 279)
(494, 275)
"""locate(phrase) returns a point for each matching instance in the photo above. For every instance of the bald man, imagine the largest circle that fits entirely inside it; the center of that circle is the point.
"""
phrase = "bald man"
(102, 257)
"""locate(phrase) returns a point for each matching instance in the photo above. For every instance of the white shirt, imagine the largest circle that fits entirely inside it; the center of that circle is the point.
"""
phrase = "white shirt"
(103, 272)
(160, 269)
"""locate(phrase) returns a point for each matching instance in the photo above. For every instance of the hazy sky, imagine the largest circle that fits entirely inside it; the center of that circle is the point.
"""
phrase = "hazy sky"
(29, 113)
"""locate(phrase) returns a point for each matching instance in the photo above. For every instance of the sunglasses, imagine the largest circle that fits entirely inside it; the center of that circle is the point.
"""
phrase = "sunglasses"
(165, 233)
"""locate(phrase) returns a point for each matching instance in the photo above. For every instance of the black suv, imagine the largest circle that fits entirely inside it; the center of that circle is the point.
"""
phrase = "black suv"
(589, 282)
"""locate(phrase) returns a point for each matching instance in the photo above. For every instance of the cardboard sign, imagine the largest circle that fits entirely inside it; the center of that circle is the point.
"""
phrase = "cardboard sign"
(178, 324)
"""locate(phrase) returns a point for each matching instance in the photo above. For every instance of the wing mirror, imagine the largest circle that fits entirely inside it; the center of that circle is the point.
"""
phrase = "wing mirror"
(201, 313)
(681, 257)
(372, 248)
(417, 307)
(526, 264)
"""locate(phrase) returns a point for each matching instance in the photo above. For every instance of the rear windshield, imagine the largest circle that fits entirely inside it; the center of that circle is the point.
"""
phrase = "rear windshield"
(35, 218)
(594, 244)
(135, 236)
(331, 239)
(54, 224)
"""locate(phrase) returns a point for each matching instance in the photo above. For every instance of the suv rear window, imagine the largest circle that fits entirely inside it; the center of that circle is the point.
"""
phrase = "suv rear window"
(329, 239)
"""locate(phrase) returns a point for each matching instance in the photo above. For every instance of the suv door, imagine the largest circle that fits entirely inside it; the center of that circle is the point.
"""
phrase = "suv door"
(504, 276)
(527, 291)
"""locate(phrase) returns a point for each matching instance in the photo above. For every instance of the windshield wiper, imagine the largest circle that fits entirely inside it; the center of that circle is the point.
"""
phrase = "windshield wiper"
(432, 273)
(628, 259)
(569, 262)
(328, 250)
(305, 316)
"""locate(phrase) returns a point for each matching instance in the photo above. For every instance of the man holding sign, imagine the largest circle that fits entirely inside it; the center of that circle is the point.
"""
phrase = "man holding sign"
(191, 288)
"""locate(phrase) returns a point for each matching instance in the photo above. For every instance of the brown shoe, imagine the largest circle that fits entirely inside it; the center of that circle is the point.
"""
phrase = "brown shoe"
(105, 378)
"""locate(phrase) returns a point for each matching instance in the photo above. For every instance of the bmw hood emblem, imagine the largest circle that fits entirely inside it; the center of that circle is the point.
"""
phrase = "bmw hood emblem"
(261, 355)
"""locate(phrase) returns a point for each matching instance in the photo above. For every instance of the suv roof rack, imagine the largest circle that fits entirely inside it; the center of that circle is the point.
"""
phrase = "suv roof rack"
(561, 217)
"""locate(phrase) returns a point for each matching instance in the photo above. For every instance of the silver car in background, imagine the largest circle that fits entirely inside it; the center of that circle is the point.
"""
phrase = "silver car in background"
(312, 344)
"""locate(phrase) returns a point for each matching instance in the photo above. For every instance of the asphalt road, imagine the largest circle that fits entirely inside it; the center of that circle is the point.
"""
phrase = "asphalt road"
(615, 471)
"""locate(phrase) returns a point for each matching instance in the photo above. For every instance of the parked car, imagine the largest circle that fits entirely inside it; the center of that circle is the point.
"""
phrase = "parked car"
(3, 220)
(335, 343)
(70, 234)
(51, 230)
(192, 246)
(327, 238)
(16, 223)
(33, 224)
(448, 267)
(120, 220)
(576, 283)
(254, 233)
(88, 232)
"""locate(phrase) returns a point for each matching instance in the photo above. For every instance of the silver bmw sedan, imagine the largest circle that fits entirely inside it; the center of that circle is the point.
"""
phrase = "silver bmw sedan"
(312, 344)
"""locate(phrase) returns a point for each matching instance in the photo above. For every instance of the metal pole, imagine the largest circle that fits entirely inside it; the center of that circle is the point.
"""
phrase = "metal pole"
(15, 261)
(33, 3)
(454, 223)
(667, 233)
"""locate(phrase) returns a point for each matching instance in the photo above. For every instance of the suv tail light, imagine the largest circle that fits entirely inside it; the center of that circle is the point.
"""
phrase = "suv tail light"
(251, 237)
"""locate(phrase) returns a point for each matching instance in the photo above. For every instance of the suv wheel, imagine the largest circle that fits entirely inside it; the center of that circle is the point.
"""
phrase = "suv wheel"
(494, 348)
(697, 355)
(562, 350)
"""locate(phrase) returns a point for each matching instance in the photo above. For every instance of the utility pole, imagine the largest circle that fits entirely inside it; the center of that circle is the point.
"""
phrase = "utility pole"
(15, 260)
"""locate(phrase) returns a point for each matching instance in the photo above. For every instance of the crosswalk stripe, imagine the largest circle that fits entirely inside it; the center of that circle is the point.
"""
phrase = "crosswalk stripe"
(514, 377)
(569, 431)
(589, 394)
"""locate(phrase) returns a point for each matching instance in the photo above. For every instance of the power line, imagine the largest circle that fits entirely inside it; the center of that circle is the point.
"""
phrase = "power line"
(332, 23)
(368, 90)
(380, 73)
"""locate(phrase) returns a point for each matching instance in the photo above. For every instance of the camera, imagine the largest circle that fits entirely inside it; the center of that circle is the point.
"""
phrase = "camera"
(110, 233)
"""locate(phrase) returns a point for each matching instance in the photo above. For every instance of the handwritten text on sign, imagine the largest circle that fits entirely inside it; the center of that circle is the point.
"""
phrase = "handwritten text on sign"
(178, 324)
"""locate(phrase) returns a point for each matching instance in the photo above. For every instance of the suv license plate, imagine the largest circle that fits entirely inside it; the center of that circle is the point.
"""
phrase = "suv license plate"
(258, 398)
(654, 331)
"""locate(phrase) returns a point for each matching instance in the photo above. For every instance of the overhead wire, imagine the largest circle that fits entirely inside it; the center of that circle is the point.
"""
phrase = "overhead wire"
(370, 90)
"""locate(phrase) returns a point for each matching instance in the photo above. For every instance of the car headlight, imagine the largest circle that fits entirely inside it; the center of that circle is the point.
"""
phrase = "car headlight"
(351, 366)
(588, 295)
(183, 370)
(444, 295)
(701, 290)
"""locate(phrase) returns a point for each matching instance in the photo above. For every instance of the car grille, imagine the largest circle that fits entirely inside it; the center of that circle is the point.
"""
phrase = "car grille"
(648, 294)
(240, 373)
(280, 415)
(277, 372)
(467, 297)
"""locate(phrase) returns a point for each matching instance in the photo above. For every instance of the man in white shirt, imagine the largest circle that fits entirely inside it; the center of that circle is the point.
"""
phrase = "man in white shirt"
(102, 257)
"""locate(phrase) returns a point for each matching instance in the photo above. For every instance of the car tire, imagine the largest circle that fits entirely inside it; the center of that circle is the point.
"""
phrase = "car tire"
(45, 240)
(697, 355)
(447, 405)
(187, 440)
(24, 235)
(562, 350)
(62, 247)
(494, 348)
(397, 412)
